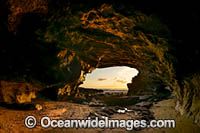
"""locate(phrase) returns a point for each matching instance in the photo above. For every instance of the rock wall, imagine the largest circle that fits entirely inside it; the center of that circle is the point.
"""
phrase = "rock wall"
(16, 92)
(53, 44)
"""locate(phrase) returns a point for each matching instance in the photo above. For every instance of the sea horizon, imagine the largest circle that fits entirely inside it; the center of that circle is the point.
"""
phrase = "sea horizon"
(113, 89)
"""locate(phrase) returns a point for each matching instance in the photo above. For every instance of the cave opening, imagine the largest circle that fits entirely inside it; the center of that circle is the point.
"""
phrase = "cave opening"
(110, 78)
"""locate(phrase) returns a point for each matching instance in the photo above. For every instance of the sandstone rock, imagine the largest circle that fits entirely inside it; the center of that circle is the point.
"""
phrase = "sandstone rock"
(14, 92)
(93, 115)
(95, 102)
(137, 108)
(59, 45)
(83, 45)
(145, 97)
(121, 111)
(144, 104)
(38, 107)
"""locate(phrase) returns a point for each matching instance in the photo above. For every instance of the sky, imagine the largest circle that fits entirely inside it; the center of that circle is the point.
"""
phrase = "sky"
(110, 78)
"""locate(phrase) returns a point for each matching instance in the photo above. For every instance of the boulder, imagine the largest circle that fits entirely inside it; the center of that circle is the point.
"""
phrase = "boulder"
(15, 92)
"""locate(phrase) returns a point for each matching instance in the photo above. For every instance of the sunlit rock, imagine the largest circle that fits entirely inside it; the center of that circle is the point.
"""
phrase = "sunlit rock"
(15, 92)
(55, 44)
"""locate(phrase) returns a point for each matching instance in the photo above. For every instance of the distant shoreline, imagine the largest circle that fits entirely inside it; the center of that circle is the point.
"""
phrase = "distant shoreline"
(104, 89)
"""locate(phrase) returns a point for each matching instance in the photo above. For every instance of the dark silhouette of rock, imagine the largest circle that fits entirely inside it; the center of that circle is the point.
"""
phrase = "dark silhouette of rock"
(56, 43)
(144, 104)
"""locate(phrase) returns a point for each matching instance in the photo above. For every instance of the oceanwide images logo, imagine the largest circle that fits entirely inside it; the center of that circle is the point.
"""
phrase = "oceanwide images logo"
(46, 122)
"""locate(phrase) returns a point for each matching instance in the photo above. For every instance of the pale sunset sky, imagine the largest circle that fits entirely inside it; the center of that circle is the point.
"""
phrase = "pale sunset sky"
(110, 78)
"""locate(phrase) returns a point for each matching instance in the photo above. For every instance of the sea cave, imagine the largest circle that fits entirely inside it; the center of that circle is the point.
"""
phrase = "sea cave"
(58, 56)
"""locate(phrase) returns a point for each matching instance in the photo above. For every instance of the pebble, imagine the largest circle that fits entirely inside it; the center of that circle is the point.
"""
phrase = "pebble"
(38, 107)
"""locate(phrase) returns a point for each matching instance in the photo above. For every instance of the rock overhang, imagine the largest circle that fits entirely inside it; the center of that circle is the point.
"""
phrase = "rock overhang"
(93, 38)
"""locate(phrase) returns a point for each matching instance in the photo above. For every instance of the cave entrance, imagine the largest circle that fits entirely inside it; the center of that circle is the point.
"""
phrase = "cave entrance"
(110, 78)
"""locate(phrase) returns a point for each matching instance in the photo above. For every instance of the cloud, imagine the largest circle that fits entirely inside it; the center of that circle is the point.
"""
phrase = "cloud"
(127, 73)
(115, 78)
(121, 81)
(101, 79)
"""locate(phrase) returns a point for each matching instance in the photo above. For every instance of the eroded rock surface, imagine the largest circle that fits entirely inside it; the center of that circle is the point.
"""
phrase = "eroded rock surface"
(55, 43)
(15, 92)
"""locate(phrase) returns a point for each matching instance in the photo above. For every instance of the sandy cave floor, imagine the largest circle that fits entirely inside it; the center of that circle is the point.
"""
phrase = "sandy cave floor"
(13, 120)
